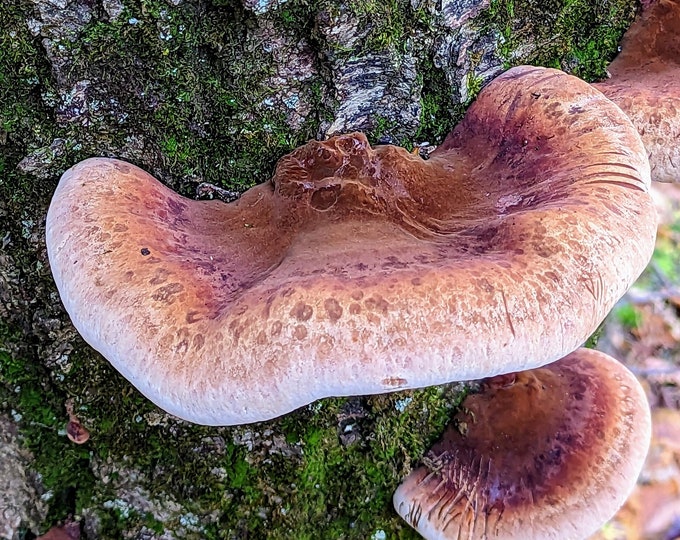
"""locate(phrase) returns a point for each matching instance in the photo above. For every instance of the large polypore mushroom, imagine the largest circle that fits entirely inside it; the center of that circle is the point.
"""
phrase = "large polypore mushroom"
(359, 270)
(645, 83)
(549, 453)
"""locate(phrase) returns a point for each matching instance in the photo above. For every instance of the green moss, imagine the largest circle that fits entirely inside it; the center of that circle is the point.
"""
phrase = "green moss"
(388, 21)
(20, 69)
(332, 490)
(194, 87)
(438, 115)
(578, 36)
(473, 85)
(591, 342)
(24, 121)
(383, 128)
(299, 17)
(391, 23)
(64, 467)
(592, 33)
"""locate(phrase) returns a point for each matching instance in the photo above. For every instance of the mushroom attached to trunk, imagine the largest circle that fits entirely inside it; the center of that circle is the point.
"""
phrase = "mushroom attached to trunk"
(645, 83)
(549, 453)
(358, 270)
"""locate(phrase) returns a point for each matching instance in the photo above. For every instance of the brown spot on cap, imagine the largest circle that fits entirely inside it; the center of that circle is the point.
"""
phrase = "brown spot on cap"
(193, 317)
(333, 309)
(276, 328)
(377, 303)
(302, 311)
(300, 332)
(394, 382)
(168, 292)
(199, 341)
(160, 276)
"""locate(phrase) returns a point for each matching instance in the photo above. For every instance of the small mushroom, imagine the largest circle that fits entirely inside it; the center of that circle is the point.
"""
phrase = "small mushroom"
(360, 270)
(551, 455)
(75, 431)
(645, 83)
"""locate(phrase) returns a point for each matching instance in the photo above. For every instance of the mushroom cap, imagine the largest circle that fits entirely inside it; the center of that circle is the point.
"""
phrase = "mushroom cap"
(552, 455)
(357, 270)
(645, 83)
(76, 432)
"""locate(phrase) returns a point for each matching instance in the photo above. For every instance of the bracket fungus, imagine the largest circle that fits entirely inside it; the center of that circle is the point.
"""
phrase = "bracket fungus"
(550, 453)
(645, 83)
(360, 270)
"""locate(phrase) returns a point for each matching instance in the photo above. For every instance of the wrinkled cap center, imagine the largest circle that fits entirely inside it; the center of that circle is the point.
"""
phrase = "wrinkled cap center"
(345, 178)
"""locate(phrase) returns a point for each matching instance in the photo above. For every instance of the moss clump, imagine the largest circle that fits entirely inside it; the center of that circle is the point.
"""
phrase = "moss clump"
(26, 388)
(577, 36)
(25, 122)
(389, 24)
(194, 87)
(439, 115)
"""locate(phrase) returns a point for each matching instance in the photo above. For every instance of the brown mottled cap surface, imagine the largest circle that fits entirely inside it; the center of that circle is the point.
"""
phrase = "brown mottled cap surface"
(358, 270)
(645, 83)
(550, 455)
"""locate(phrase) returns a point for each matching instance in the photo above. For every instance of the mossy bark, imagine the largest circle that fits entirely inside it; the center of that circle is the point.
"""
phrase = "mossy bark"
(211, 91)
